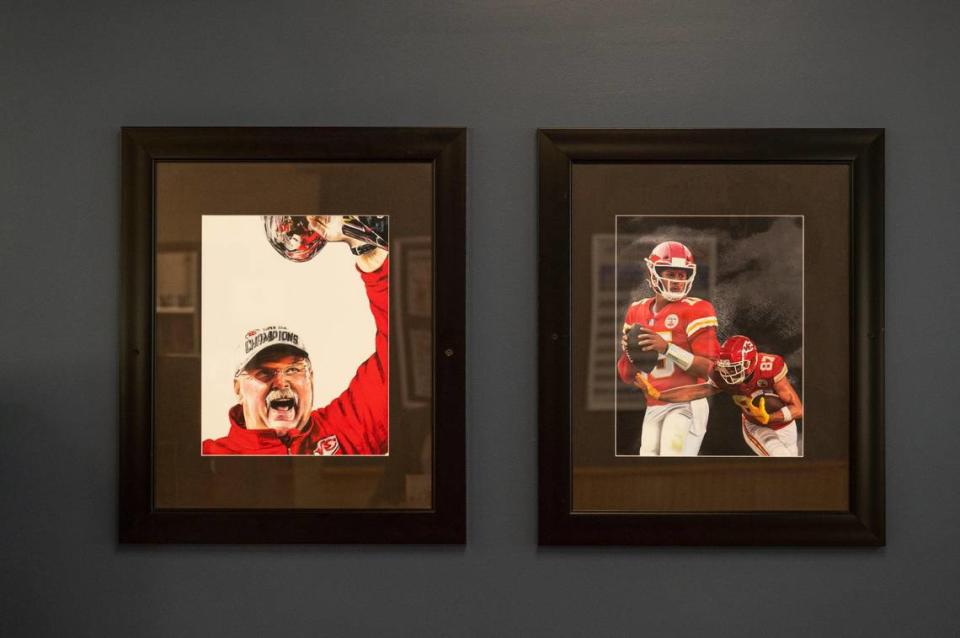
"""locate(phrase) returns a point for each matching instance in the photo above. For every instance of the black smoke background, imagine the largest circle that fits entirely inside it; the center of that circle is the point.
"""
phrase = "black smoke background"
(751, 269)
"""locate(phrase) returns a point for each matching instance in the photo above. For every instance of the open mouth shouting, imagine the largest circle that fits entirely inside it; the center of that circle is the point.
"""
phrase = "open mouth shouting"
(282, 409)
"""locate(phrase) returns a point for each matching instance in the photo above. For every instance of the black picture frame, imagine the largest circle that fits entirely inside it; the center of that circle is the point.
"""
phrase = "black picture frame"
(862, 150)
(142, 148)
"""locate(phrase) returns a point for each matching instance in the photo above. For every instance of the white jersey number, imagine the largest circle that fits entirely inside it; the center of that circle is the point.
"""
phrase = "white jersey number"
(664, 366)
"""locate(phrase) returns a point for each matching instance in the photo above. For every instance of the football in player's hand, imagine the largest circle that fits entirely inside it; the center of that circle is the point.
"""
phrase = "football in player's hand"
(643, 360)
(771, 402)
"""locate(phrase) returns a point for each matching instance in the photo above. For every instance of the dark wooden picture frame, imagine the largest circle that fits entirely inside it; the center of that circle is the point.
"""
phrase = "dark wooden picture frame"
(861, 150)
(140, 521)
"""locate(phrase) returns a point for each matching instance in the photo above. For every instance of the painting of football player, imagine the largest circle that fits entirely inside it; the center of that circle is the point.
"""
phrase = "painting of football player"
(758, 384)
(273, 380)
(680, 333)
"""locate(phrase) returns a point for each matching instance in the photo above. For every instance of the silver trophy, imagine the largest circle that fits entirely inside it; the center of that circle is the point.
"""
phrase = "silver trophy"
(292, 236)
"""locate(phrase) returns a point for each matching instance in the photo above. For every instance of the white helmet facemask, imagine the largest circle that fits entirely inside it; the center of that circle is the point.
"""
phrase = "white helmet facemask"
(661, 284)
(732, 373)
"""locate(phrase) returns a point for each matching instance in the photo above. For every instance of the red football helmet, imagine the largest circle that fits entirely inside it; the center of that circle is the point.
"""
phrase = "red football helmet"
(737, 359)
(671, 254)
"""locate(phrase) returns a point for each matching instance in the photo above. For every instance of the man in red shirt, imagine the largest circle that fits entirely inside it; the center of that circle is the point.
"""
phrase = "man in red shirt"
(274, 382)
(682, 330)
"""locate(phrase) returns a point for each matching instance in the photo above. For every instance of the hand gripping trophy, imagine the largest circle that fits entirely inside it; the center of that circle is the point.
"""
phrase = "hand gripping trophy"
(300, 237)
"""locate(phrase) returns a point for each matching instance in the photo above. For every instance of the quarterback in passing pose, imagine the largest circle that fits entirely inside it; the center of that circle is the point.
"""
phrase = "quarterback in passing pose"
(682, 331)
(754, 379)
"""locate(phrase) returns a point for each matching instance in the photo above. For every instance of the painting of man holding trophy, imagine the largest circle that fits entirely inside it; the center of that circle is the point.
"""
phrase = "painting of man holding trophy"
(278, 368)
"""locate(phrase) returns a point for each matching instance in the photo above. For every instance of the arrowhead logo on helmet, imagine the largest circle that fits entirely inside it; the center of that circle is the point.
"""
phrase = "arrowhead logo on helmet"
(737, 359)
(671, 256)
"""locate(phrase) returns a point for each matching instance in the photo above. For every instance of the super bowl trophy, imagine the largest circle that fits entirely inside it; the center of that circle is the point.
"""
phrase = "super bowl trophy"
(297, 240)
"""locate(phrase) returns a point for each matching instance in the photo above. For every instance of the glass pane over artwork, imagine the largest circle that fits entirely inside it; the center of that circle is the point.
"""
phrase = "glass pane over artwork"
(758, 235)
(218, 279)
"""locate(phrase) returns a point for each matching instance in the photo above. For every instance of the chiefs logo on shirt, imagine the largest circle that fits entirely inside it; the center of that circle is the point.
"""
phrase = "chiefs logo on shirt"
(327, 446)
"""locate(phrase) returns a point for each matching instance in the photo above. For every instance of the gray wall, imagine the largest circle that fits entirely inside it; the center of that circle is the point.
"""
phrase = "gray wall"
(71, 75)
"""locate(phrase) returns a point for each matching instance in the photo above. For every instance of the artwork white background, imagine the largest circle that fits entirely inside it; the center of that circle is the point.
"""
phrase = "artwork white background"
(246, 284)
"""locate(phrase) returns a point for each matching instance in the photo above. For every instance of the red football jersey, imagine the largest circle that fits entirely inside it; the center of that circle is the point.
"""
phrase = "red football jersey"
(771, 368)
(690, 323)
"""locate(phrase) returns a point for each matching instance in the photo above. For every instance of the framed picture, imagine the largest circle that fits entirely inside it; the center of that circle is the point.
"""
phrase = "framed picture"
(292, 346)
(711, 337)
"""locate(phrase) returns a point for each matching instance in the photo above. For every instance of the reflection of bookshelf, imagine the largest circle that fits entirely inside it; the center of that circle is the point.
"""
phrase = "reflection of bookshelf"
(177, 309)
(411, 287)
(602, 378)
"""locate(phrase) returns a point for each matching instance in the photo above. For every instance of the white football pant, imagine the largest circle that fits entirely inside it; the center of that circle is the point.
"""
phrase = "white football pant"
(674, 429)
(766, 441)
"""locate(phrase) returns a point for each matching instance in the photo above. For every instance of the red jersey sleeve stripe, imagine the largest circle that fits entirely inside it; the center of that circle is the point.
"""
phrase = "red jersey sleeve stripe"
(699, 324)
